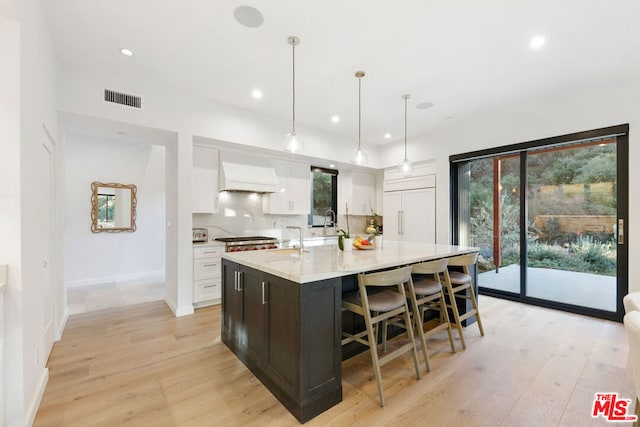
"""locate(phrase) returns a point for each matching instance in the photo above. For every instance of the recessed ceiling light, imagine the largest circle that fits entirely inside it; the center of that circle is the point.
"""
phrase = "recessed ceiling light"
(335, 118)
(126, 52)
(257, 94)
(332, 165)
(248, 16)
(387, 135)
(424, 105)
(537, 42)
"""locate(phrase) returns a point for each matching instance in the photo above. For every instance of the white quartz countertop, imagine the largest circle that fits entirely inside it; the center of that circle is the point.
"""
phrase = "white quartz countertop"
(327, 261)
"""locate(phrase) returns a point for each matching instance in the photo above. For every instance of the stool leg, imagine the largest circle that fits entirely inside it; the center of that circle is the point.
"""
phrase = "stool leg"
(475, 307)
(454, 307)
(373, 348)
(445, 314)
(419, 323)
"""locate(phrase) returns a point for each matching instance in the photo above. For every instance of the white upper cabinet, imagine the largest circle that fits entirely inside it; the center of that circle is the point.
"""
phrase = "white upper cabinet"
(205, 185)
(358, 190)
(293, 195)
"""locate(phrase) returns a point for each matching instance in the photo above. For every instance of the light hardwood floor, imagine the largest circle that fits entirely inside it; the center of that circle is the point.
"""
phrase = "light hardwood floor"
(140, 366)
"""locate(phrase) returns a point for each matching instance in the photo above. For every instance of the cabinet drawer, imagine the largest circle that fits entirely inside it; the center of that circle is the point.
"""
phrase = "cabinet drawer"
(208, 252)
(206, 268)
(204, 290)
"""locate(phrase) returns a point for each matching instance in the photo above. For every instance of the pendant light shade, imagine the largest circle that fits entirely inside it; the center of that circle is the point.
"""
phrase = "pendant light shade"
(293, 141)
(405, 167)
(359, 156)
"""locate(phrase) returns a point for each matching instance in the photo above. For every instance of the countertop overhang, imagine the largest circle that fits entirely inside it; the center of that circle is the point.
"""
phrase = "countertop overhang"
(328, 262)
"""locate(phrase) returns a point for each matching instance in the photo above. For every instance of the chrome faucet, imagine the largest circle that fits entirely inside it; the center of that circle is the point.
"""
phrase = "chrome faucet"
(333, 221)
(301, 247)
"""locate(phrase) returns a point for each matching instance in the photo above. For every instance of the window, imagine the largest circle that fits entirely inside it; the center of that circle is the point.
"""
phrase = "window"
(324, 196)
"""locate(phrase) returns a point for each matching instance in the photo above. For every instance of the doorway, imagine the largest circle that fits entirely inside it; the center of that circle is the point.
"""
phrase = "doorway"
(549, 219)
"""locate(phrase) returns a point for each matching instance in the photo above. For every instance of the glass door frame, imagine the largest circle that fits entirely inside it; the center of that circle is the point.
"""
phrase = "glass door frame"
(621, 132)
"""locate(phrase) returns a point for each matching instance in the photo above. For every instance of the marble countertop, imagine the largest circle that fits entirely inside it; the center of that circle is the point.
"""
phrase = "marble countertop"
(327, 261)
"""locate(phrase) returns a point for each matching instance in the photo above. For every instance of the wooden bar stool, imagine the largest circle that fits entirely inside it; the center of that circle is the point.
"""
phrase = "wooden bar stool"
(428, 294)
(377, 304)
(457, 283)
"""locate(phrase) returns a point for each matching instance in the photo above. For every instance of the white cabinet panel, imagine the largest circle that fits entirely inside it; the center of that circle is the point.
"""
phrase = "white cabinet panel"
(293, 197)
(358, 190)
(410, 215)
(205, 185)
(418, 215)
(391, 209)
(206, 275)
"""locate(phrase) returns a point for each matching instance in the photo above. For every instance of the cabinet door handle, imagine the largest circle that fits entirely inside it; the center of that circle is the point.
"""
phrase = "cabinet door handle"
(209, 265)
(399, 222)
(235, 280)
(264, 301)
(240, 280)
(209, 286)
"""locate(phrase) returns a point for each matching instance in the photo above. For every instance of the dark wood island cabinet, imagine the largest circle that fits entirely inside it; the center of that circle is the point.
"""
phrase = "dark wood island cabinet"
(288, 334)
(282, 315)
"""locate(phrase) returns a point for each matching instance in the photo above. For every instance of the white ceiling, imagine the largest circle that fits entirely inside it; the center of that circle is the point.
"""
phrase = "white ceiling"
(463, 56)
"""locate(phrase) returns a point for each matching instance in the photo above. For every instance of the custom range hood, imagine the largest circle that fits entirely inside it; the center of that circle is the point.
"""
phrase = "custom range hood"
(248, 176)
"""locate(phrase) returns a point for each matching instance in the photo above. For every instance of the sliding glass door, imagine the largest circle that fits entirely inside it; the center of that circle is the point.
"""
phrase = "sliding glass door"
(548, 217)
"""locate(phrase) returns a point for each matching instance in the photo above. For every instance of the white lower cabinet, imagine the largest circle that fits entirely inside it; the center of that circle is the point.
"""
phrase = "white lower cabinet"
(206, 276)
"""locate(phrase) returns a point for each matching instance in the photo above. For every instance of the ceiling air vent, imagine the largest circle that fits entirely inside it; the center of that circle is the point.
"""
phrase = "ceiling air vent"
(122, 98)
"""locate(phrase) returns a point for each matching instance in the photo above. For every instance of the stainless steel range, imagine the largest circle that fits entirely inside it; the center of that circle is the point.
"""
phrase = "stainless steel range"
(249, 243)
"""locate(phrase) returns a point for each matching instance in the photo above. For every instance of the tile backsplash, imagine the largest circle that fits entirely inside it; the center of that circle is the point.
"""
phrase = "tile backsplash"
(240, 214)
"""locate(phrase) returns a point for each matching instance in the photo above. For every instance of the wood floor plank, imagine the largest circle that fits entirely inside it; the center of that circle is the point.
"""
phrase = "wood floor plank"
(139, 366)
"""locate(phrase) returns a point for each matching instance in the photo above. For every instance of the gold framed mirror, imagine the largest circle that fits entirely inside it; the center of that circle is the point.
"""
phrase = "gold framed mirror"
(113, 207)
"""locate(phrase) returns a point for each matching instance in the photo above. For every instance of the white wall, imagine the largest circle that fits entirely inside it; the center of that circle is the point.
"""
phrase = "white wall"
(91, 258)
(565, 112)
(11, 371)
(25, 301)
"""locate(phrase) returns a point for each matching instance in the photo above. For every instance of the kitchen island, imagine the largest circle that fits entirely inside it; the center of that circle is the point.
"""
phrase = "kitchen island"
(282, 315)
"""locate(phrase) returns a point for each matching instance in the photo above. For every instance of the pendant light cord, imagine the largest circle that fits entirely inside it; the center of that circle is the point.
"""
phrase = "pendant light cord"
(359, 108)
(405, 128)
(293, 46)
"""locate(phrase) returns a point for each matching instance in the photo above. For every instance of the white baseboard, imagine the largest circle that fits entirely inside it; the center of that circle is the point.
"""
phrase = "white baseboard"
(95, 281)
(172, 307)
(63, 324)
(179, 311)
(184, 310)
(34, 404)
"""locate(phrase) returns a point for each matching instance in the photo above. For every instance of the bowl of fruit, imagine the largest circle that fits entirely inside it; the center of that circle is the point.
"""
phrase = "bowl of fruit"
(363, 243)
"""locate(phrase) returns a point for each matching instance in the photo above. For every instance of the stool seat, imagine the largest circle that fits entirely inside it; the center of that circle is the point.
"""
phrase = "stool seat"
(459, 278)
(427, 287)
(427, 293)
(460, 285)
(380, 301)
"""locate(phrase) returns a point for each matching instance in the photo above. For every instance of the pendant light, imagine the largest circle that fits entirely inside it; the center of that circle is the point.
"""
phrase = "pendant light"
(294, 143)
(405, 167)
(359, 155)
